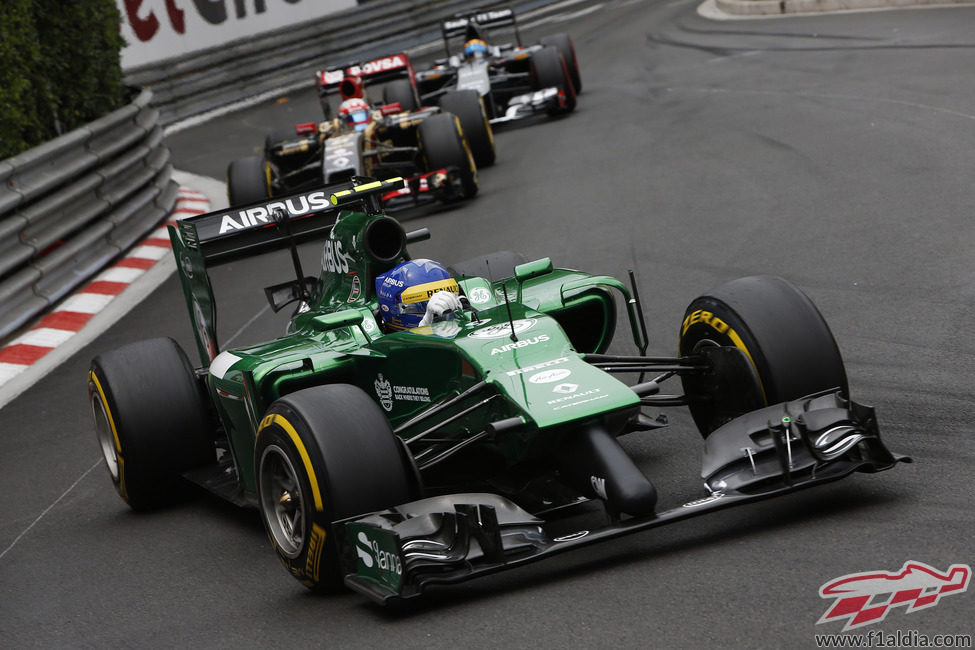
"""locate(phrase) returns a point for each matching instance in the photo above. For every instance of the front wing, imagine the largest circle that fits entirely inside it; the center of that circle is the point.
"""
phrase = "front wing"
(393, 555)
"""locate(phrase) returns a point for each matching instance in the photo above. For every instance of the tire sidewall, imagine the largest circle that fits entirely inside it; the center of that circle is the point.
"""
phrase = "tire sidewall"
(316, 563)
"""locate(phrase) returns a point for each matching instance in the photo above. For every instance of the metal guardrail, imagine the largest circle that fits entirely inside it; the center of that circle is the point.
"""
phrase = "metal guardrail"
(72, 205)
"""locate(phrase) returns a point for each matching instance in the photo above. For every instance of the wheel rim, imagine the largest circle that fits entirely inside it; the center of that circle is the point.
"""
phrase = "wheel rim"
(106, 439)
(282, 502)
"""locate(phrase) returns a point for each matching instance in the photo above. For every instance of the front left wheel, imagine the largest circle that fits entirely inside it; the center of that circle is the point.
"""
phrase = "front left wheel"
(786, 347)
(322, 454)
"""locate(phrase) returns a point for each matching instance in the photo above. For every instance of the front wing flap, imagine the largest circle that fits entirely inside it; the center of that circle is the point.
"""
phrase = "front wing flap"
(393, 555)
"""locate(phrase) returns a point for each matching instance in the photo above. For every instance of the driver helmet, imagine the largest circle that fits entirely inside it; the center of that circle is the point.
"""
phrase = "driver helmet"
(475, 49)
(355, 113)
(404, 291)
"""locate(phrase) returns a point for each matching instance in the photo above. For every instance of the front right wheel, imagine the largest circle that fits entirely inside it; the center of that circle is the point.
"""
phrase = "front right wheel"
(781, 333)
(322, 454)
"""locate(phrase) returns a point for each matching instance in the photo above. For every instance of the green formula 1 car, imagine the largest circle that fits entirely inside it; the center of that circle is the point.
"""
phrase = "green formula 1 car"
(390, 461)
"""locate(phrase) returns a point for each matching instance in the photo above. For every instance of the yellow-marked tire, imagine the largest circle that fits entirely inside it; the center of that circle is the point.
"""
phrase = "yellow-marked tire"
(780, 331)
(468, 106)
(247, 181)
(151, 420)
(443, 144)
(322, 454)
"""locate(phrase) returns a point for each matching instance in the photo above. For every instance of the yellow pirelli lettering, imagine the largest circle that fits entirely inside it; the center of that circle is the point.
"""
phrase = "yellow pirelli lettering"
(282, 422)
(422, 292)
(316, 544)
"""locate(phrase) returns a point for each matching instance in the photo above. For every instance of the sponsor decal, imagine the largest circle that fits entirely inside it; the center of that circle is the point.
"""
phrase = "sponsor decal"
(706, 317)
(549, 376)
(866, 598)
(575, 399)
(334, 259)
(388, 393)
(537, 366)
(500, 330)
(263, 214)
(598, 486)
(369, 325)
(479, 295)
(566, 388)
(187, 265)
(316, 544)
(372, 556)
(384, 391)
(370, 67)
(524, 343)
(356, 289)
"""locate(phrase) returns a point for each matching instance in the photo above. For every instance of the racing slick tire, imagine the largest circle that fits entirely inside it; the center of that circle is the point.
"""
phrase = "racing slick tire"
(563, 43)
(151, 419)
(444, 145)
(789, 347)
(492, 267)
(279, 135)
(324, 453)
(468, 106)
(247, 181)
(549, 70)
(403, 92)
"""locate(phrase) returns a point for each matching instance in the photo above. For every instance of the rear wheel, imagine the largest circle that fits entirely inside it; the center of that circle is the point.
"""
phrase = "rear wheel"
(778, 329)
(151, 419)
(549, 70)
(322, 454)
(401, 91)
(564, 45)
(279, 135)
(468, 106)
(247, 181)
(444, 146)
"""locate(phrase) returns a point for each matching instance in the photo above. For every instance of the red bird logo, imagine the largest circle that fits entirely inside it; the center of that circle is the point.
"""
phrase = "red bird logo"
(865, 598)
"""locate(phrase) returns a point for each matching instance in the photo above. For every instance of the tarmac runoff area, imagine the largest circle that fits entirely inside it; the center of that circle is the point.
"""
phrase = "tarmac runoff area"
(752, 9)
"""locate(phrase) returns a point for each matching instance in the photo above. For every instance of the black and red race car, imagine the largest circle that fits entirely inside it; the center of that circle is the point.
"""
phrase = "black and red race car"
(436, 150)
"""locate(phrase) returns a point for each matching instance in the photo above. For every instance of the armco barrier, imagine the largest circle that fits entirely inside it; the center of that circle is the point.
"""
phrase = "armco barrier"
(70, 206)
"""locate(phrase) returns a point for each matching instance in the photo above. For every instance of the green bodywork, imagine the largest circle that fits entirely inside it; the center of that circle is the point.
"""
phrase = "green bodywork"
(541, 377)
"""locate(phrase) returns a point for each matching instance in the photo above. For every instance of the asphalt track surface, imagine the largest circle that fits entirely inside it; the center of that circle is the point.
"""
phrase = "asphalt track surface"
(835, 151)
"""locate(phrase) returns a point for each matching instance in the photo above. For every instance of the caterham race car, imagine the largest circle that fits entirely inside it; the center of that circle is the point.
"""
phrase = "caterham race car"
(389, 460)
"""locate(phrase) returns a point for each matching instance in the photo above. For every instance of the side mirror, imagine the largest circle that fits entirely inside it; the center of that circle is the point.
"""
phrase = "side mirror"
(280, 295)
(335, 320)
(530, 270)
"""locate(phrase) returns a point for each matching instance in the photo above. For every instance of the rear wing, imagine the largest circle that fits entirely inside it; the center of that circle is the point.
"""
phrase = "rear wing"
(224, 236)
(220, 237)
(394, 66)
(473, 24)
